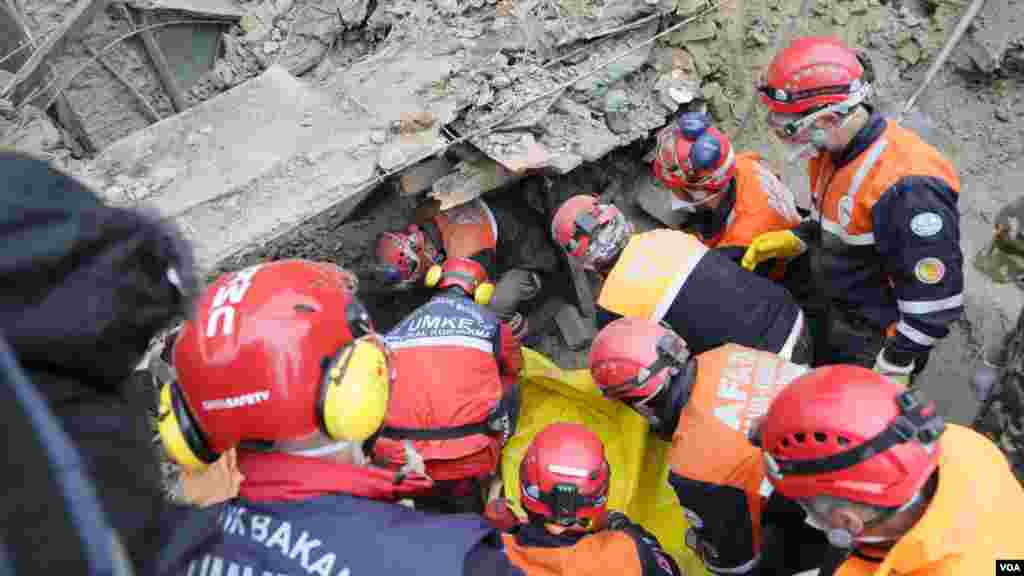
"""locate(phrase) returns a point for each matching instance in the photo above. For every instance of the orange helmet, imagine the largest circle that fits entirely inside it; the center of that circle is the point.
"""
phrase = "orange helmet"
(813, 72)
(593, 233)
(694, 158)
(564, 477)
(848, 432)
(632, 359)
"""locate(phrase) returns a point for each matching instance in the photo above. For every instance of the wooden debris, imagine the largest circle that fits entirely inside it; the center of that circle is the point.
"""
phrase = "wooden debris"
(156, 55)
(33, 71)
(147, 108)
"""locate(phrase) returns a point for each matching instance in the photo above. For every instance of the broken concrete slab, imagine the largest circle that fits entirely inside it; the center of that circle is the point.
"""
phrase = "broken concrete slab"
(471, 180)
(656, 200)
(244, 166)
(408, 75)
(224, 9)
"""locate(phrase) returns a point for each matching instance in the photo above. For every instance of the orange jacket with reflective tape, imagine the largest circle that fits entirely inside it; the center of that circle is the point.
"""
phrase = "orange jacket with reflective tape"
(763, 204)
(908, 270)
(973, 520)
(734, 387)
(467, 229)
(597, 554)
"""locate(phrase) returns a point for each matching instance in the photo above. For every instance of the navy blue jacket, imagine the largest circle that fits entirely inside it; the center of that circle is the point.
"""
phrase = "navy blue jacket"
(332, 535)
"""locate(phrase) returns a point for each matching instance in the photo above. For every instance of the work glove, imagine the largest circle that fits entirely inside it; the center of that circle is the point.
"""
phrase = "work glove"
(776, 244)
(500, 515)
(898, 374)
(654, 561)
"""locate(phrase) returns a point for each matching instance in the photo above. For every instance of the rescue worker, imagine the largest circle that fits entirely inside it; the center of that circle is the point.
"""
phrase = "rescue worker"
(734, 197)
(884, 222)
(280, 362)
(668, 275)
(705, 405)
(878, 471)
(563, 480)
(85, 288)
(455, 386)
(998, 383)
(471, 231)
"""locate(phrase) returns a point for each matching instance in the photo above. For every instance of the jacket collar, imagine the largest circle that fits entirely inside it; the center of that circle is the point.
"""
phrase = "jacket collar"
(868, 134)
(286, 477)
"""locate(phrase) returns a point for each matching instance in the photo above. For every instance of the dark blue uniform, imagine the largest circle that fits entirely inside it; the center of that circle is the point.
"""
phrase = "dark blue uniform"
(335, 535)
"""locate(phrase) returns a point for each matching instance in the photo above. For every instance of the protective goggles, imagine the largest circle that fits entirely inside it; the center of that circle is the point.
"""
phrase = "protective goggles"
(565, 502)
(819, 510)
(791, 125)
(672, 353)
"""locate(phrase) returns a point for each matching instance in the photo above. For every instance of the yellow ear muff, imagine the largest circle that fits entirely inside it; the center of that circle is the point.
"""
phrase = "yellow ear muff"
(433, 276)
(483, 293)
(171, 435)
(356, 395)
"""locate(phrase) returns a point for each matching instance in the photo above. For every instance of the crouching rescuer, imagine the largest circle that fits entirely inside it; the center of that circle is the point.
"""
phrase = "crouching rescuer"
(279, 361)
(668, 275)
(455, 386)
(706, 405)
(563, 479)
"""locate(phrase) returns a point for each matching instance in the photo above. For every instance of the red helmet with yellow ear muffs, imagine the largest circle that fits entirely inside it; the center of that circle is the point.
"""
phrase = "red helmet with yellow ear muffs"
(265, 359)
(466, 274)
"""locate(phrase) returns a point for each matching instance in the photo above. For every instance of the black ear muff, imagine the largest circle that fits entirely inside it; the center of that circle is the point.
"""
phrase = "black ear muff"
(190, 428)
(358, 319)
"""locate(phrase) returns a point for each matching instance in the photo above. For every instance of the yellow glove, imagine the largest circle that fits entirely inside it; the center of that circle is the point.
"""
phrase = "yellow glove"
(776, 244)
(898, 374)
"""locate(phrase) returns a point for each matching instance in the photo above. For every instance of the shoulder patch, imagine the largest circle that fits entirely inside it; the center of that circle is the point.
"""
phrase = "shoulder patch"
(926, 224)
(930, 270)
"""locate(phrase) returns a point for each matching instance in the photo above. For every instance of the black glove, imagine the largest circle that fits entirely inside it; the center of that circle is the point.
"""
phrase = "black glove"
(654, 561)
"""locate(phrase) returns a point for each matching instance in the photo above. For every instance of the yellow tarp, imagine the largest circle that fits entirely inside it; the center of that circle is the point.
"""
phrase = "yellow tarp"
(639, 481)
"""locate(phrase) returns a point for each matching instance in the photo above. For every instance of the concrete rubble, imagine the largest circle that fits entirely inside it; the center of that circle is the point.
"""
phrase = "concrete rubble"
(245, 166)
(311, 104)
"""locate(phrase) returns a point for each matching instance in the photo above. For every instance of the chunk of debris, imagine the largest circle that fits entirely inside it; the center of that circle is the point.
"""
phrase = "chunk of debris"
(31, 131)
(471, 180)
(656, 200)
(245, 166)
(576, 330)
(422, 176)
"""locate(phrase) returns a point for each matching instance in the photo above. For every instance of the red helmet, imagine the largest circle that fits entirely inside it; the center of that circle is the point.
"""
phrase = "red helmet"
(465, 273)
(564, 476)
(251, 360)
(593, 233)
(848, 432)
(405, 256)
(813, 72)
(694, 158)
(633, 359)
